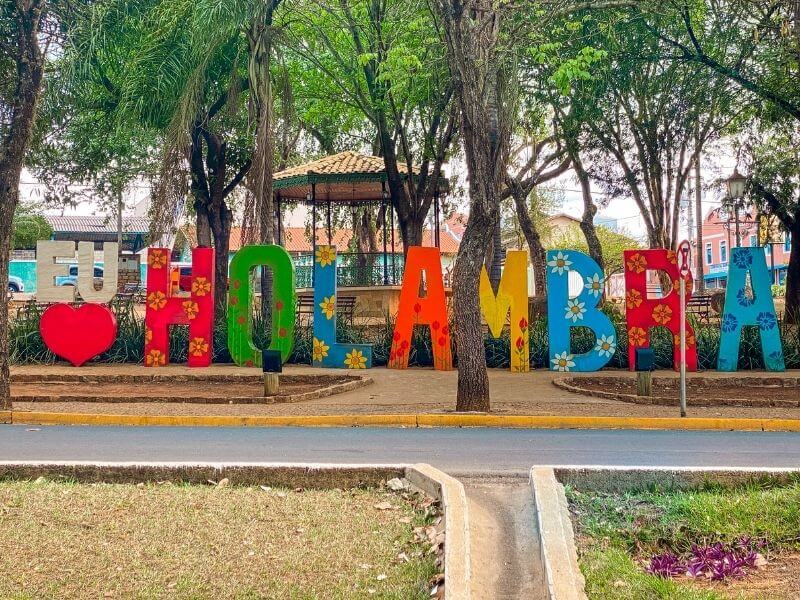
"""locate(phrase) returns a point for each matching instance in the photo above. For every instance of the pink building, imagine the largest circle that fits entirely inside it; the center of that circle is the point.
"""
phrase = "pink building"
(719, 236)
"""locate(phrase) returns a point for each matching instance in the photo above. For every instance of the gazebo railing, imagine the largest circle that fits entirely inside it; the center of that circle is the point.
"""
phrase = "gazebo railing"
(357, 270)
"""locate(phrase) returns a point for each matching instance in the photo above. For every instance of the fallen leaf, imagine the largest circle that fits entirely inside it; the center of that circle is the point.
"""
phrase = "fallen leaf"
(384, 506)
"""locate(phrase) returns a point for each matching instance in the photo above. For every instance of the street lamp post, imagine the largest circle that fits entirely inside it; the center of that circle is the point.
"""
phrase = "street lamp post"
(736, 184)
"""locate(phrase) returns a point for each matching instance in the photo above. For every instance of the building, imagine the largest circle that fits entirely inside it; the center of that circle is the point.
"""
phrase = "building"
(719, 237)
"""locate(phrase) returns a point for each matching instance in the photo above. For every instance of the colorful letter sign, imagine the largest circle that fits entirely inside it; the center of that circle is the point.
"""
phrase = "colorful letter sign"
(643, 312)
(756, 308)
(326, 352)
(164, 309)
(430, 310)
(512, 296)
(240, 319)
(564, 313)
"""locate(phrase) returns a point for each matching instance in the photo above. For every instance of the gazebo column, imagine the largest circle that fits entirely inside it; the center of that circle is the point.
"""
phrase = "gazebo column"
(313, 228)
(279, 218)
(385, 235)
(330, 236)
(394, 248)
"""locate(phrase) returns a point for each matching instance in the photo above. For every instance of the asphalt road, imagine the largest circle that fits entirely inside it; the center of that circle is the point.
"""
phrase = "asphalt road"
(453, 450)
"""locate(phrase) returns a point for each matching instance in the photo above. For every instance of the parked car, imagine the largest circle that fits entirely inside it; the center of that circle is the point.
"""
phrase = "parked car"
(72, 278)
(15, 285)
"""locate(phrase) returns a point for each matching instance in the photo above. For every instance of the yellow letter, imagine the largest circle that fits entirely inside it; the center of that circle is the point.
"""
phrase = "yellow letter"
(512, 295)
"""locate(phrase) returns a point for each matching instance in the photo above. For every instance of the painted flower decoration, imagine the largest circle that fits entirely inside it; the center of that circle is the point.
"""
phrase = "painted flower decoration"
(198, 346)
(562, 362)
(575, 310)
(744, 299)
(606, 345)
(328, 306)
(766, 320)
(637, 263)
(560, 263)
(156, 258)
(690, 341)
(191, 309)
(325, 255)
(636, 336)
(742, 258)
(594, 284)
(520, 343)
(633, 299)
(435, 325)
(355, 360)
(672, 257)
(148, 335)
(523, 324)
(729, 323)
(319, 350)
(155, 358)
(278, 306)
(662, 314)
(201, 286)
(156, 300)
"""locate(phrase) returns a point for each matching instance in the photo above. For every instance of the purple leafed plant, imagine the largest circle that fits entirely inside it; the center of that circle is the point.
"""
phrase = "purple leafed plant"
(717, 561)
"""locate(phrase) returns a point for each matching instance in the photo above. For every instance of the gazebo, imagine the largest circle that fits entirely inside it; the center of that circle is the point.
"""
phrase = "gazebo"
(350, 179)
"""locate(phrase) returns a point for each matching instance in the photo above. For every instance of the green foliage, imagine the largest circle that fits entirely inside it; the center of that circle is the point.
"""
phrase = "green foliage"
(26, 345)
(28, 228)
(778, 291)
(616, 529)
(613, 243)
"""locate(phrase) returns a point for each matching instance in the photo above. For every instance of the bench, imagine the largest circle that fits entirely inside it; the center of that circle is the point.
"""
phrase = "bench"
(345, 306)
(700, 306)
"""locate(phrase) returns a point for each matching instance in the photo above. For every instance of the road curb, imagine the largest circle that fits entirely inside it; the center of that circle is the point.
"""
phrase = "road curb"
(405, 420)
(563, 577)
(450, 492)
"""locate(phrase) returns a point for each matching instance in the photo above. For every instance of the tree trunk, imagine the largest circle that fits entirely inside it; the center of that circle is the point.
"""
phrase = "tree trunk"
(411, 232)
(473, 382)
(793, 274)
(23, 19)
(534, 240)
(496, 261)
(220, 223)
(589, 210)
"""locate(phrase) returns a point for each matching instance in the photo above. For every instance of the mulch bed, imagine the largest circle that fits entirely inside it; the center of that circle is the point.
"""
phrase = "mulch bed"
(700, 391)
(293, 388)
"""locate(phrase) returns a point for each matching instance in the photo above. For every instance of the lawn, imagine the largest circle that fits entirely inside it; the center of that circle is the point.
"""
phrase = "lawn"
(617, 534)
(67, 540)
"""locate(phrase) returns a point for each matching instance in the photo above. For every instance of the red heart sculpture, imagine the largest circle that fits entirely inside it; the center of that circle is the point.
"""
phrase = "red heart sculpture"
(78, 334)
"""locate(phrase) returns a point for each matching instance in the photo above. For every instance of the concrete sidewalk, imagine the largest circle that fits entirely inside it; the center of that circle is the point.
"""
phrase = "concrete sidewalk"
(413, 391)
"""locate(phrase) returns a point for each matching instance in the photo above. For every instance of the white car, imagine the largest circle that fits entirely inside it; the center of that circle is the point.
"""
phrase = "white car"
(15, 285)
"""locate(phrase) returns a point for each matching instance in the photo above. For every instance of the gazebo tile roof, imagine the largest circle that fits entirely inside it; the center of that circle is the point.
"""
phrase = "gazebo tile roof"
(343, 164)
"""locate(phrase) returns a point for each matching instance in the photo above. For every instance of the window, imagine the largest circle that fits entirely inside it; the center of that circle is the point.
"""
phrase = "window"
(723, 252)
(787, 242)
(709, 255)
(768, 248)
(73, 271)
(753, 241)
(98, 272)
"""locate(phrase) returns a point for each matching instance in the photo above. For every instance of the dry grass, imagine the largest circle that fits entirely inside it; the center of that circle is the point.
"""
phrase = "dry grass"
(64, 540)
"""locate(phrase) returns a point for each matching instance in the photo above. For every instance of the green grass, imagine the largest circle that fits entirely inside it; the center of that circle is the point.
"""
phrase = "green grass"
(616, 530)
(66, 540)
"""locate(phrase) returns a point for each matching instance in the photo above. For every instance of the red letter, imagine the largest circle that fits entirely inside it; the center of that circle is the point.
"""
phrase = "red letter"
(642, 312)
(414, 310)
(163, 309)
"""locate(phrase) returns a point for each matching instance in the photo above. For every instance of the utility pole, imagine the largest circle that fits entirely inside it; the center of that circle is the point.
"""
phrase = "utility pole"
(698, 205)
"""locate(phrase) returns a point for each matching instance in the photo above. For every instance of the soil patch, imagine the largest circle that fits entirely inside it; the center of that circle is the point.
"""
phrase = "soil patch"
(700, 391)
(293, 388)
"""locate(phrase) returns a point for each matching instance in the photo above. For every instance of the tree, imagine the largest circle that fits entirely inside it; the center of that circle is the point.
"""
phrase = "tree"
(480, 53)
(157, 64)
(28, 228)
(771, 156)
(22, 25)
(384, 59)
(612, 243)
